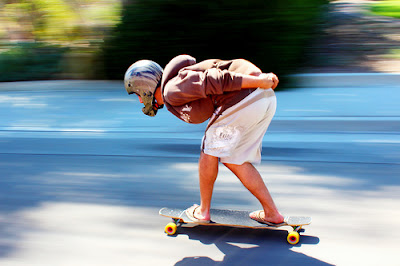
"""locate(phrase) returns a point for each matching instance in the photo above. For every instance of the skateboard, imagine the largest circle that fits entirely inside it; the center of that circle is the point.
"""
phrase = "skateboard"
(233, 218)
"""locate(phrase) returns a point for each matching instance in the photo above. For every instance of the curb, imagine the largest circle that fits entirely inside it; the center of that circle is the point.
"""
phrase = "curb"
(350, 80)
(61, 85)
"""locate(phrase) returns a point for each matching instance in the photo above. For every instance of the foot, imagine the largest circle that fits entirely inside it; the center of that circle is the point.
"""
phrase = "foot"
(194, 213)
(260, 217)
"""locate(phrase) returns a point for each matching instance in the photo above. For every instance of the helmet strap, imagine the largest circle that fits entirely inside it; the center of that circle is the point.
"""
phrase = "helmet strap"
(157, 106)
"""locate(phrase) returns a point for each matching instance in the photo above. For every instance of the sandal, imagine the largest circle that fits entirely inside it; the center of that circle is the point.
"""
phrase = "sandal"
(256, 215)
(190, 214)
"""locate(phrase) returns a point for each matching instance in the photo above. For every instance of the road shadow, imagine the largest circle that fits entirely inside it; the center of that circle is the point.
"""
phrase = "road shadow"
(243, 246)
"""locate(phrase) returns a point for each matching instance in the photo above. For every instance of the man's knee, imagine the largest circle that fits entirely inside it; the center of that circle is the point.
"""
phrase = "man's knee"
(206, 158)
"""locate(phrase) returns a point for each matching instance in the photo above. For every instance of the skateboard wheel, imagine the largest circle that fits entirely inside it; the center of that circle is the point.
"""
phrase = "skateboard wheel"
(293, 238)
(170, 229)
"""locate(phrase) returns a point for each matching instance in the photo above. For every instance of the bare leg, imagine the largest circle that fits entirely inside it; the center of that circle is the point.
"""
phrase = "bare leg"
(252, 180)
(208, 171)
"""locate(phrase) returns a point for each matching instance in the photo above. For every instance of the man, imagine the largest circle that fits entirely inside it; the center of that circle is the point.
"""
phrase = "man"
(239, 101)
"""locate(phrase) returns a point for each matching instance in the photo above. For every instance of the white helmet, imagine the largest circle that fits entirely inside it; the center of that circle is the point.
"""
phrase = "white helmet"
(142, 78)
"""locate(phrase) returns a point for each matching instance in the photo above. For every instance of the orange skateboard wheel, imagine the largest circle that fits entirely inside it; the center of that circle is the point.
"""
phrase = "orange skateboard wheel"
(170, 229)
(293, 238)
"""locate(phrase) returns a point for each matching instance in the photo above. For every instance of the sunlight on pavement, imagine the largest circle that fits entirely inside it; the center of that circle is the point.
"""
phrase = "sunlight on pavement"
(353, 213)
(62, 233)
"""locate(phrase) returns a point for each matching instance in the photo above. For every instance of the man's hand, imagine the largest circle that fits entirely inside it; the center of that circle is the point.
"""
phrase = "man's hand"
(270, 80)
(263, 81)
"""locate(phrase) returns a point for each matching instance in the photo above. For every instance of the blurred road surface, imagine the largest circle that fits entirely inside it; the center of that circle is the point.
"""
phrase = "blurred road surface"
(83, 174)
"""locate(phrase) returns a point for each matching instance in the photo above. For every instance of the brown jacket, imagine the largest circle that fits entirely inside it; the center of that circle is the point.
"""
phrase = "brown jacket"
(193, 92)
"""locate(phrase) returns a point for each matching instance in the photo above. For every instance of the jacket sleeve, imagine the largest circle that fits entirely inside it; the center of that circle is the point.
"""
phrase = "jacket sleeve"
(191, 85)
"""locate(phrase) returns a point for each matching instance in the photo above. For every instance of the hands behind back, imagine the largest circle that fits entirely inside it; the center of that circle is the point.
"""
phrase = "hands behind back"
(260, 80)
(269, 80)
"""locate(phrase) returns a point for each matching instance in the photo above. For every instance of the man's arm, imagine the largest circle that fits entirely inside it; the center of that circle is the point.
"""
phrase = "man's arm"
(190, 85)
(264, 81)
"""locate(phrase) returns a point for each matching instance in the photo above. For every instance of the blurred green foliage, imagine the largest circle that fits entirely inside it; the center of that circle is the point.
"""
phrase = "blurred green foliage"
(31, 61)
(390, 8)
(63, 21)
(272, 34)
(47, 39)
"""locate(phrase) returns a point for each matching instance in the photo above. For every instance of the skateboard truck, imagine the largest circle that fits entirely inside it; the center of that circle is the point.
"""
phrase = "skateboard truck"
(171, 228)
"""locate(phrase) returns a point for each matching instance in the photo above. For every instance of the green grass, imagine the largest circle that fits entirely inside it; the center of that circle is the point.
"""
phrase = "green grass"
(394, 53)
(389, 8)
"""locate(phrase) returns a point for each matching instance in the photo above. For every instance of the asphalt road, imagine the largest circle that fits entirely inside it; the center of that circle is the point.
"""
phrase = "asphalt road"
(83, 174)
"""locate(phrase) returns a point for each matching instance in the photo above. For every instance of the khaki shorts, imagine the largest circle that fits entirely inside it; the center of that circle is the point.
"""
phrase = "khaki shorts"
(236, 136)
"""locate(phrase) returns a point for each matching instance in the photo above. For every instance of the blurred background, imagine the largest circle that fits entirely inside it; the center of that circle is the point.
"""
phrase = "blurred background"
(83, 173)
(99, 39)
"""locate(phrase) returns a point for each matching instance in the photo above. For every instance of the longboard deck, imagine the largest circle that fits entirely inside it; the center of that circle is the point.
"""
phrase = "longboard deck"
(233, 218)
